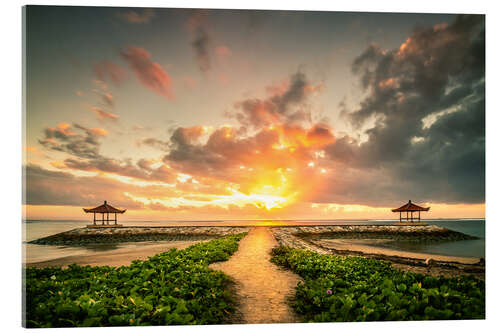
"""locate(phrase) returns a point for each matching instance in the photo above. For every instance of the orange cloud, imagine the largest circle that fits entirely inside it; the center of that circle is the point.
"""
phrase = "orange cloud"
(103, 114)
(99, 131)
(283, 104)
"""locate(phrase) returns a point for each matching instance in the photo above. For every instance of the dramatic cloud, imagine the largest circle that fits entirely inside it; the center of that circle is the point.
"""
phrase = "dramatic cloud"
(136, 16)
(285, 105)
(107, 70)
(426, 100)
(418, 133)
(149, 73)
(271, 162)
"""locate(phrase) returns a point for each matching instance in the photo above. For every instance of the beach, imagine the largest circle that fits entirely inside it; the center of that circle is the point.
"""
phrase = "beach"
(115, 257)
(262, 291)
(120, 246)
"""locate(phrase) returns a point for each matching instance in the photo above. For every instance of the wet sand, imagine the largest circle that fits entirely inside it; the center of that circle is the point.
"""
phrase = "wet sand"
(117, 257)
(262, 288)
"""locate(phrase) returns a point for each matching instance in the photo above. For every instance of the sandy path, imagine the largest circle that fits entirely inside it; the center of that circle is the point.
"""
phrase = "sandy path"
(261, 287)
(117, 257)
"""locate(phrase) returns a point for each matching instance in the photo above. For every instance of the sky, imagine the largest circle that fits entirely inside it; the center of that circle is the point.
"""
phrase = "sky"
(180, 114)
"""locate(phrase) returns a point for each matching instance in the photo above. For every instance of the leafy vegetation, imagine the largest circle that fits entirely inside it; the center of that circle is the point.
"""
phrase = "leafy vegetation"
(340, 288)
(172, 288)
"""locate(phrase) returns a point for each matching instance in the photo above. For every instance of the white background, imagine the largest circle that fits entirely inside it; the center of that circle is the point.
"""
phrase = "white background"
(11, 138)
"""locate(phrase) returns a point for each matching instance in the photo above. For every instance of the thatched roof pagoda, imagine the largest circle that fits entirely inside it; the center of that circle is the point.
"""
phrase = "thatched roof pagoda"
(104, 209)
(410, 207)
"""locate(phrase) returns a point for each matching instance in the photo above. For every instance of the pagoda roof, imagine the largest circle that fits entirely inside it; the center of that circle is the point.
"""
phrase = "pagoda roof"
(104, 208)
(410, 207)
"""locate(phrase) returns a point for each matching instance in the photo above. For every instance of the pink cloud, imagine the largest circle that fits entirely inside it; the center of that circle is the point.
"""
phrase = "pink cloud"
(107, 70)
(223, 51)
(223, 79)
(149, 73)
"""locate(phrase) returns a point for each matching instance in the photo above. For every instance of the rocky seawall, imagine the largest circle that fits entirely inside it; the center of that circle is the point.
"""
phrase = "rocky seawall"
(419, 233)
(85, 236)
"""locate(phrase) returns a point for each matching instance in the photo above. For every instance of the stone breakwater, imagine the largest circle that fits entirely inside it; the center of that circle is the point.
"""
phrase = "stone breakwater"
(84, 236)
(427, 233)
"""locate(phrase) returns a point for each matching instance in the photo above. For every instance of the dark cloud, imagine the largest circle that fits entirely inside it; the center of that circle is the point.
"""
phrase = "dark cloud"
(200, 45)
(427, 103)
(285, 105)
(155, 143)
(65, 138)
(201, 40)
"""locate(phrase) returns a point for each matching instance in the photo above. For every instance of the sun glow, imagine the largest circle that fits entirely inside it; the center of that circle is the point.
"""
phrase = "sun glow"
(269, 190)
(267, 201)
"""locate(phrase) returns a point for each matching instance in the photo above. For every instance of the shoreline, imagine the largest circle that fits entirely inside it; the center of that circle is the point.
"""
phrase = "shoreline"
(346, 240)
(116, 257)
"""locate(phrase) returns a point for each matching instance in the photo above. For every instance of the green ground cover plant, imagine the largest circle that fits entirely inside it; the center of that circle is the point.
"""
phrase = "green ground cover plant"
(172, 288)
(338, 288)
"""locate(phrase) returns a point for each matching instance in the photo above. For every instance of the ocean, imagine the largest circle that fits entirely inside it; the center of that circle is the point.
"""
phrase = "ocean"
(33, 229)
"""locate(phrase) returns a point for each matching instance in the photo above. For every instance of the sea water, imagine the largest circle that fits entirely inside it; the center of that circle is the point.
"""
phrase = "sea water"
(34, 229)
